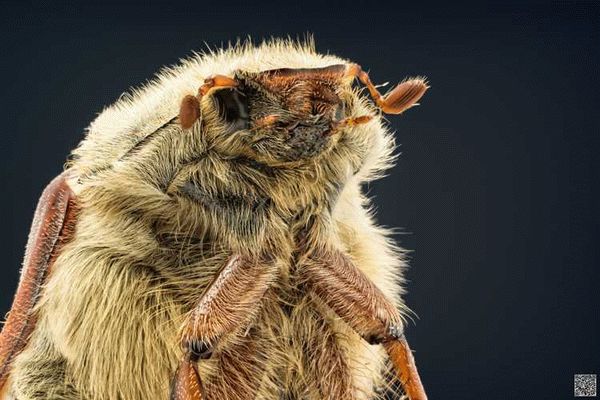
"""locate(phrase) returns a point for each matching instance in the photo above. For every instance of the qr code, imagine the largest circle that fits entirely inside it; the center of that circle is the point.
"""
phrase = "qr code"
(585, 385)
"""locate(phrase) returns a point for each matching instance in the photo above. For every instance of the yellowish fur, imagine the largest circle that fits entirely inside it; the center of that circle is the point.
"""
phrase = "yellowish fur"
(112, 312)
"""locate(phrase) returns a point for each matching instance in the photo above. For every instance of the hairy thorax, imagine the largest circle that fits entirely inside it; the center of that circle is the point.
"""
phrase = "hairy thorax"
(142, 273)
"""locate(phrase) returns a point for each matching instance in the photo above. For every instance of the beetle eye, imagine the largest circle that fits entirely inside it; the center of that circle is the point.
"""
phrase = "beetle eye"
(232, 107)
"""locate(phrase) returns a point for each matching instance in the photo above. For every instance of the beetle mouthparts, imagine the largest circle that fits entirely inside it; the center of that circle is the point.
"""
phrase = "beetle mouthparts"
(351, 121)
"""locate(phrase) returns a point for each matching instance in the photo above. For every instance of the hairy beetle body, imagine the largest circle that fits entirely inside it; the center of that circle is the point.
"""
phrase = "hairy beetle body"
(163, 203)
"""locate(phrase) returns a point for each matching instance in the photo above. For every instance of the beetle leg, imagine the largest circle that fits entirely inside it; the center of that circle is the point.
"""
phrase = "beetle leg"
(227, 306)
(240, 369)
(346, 290)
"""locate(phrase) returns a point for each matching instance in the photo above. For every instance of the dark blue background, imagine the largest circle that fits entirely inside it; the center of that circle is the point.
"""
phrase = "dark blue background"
(496, 188)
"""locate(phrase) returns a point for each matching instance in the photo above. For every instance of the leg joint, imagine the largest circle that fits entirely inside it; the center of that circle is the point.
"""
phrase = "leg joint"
(393, 332)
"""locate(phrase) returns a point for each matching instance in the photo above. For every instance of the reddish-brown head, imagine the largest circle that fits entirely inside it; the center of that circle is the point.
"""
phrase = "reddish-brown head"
(294, 112)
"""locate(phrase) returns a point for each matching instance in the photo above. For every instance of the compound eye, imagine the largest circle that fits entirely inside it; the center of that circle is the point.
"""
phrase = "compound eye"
(232, 106)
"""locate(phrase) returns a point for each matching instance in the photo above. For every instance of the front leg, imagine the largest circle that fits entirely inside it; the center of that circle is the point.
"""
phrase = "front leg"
(342, 286)
(227, 306)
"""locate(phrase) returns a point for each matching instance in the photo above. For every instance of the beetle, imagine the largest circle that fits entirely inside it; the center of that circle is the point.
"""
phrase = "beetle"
(209, 239)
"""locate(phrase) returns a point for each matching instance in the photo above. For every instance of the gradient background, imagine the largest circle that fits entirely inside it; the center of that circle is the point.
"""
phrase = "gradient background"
(496, 188)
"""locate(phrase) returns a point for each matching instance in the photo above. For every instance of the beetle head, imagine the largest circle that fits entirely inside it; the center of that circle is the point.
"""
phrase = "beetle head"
(289, 115)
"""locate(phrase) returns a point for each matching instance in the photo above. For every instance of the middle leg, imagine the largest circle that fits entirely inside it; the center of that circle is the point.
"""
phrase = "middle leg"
(240, 368)
(344, 288)
(227, 306)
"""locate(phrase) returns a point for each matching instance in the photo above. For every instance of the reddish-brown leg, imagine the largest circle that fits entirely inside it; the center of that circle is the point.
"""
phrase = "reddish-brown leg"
(227, 306)
(240, 369)
(328, 367)
(344, 288)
